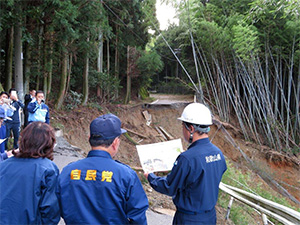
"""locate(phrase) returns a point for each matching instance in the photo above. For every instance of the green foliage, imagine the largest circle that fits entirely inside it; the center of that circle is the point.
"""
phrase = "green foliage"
(93, 104)
(173, 87)
(149, 63)
(143, 93)
(240, 213)
(293, 151)
(73, 100)
(245, 41)
(57, 125)
(107, 83)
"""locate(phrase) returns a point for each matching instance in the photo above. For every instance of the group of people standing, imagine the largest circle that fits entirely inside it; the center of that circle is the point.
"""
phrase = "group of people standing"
(101, 190)
(11, 108)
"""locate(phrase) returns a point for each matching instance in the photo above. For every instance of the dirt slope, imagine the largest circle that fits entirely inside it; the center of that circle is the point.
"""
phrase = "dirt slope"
(75, 125)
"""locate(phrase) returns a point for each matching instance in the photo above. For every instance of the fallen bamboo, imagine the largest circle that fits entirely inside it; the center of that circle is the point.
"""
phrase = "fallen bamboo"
(130, 139)
(161, 133)
(136, 133)
(168, 136)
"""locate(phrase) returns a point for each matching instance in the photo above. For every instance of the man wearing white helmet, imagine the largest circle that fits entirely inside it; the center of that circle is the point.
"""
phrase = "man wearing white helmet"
(194, 180)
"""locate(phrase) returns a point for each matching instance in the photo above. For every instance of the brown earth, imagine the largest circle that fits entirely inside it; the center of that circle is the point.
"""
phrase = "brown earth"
(75, 124)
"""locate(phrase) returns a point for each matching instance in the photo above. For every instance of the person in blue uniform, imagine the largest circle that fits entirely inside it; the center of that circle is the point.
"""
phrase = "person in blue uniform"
(37, 109)
(3, 154)
(29, 179)
(14, 122)
(27, 99)
(194, 180)
(98, 189)
(8, 112)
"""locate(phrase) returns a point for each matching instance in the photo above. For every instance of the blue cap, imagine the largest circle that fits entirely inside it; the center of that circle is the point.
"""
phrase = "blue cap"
(106, 127)
(2, 113)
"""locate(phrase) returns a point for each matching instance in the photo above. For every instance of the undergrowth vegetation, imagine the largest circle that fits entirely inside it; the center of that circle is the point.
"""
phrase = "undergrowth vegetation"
(240, 213)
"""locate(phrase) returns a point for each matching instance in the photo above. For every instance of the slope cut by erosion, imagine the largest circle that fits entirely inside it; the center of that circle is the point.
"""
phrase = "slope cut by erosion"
(280, 168)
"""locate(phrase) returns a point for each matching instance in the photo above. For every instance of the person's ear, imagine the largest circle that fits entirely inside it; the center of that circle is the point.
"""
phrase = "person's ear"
(116, 143)
(192, 128)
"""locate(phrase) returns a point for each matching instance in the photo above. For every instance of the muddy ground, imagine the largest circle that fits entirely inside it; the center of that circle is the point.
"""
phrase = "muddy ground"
(75, 125)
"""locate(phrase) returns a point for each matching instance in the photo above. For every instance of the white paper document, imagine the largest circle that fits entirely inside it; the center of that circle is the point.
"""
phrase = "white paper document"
(159, 156)
(2, 140)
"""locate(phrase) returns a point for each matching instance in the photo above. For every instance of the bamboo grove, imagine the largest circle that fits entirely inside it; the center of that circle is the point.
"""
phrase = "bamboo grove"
(244, 57)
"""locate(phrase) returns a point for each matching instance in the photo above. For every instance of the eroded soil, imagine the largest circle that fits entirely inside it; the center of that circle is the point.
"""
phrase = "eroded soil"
(75, 125)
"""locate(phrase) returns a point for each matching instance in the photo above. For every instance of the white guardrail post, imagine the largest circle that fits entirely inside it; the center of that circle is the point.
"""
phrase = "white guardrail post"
(279, 212)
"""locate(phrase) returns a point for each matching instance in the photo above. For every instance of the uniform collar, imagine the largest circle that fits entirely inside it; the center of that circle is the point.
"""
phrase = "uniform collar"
(200, 141)
(99, 153)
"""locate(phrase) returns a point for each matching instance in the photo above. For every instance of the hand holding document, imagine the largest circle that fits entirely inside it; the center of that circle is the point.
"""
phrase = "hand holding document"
(159, 156)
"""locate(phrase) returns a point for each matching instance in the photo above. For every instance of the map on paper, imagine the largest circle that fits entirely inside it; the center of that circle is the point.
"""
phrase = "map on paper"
(159, 156)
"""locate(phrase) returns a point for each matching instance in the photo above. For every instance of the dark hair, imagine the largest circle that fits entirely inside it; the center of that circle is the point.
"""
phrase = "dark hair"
(12, 89)
(4, 92)
(195, 126)
(39, 92)
(36, 140)
(96, 142)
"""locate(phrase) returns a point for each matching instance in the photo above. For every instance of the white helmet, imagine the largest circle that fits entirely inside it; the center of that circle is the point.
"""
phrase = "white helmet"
(196, 113)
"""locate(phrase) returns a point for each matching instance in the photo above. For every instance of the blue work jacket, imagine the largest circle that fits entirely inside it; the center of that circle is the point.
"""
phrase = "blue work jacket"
(15, 118)
(27, 191)
(38, 112)
(100, 190)
(194, 180)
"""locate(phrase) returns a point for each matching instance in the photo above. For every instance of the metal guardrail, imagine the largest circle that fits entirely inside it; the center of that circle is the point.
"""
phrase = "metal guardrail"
(269, 208)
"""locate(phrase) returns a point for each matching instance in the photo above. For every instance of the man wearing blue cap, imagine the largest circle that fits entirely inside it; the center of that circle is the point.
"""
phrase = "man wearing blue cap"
(98, 189)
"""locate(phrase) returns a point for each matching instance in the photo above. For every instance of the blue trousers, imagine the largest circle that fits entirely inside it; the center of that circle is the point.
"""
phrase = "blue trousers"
(15, 127)
(208, 218)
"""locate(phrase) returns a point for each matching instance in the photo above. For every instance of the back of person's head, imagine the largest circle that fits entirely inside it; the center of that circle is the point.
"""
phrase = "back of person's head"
(104, 129)
(36, 140)
(197, 115)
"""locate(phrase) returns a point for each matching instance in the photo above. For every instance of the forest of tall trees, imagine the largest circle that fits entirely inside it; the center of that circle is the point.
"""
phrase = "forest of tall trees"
(241, 57)
(74, 46)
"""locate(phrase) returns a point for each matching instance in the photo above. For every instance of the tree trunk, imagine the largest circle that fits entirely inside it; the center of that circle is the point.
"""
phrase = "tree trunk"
(128, 89)
(63, 80)
(297, 113)
(9, 58)
(85, 81)
(117, 59)
(39, 54)
(27, 65)
(86, 78)
(18, 62)
(45, 62)
(100, 60)
(50, 63)
(108, 56)
(69, 71)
